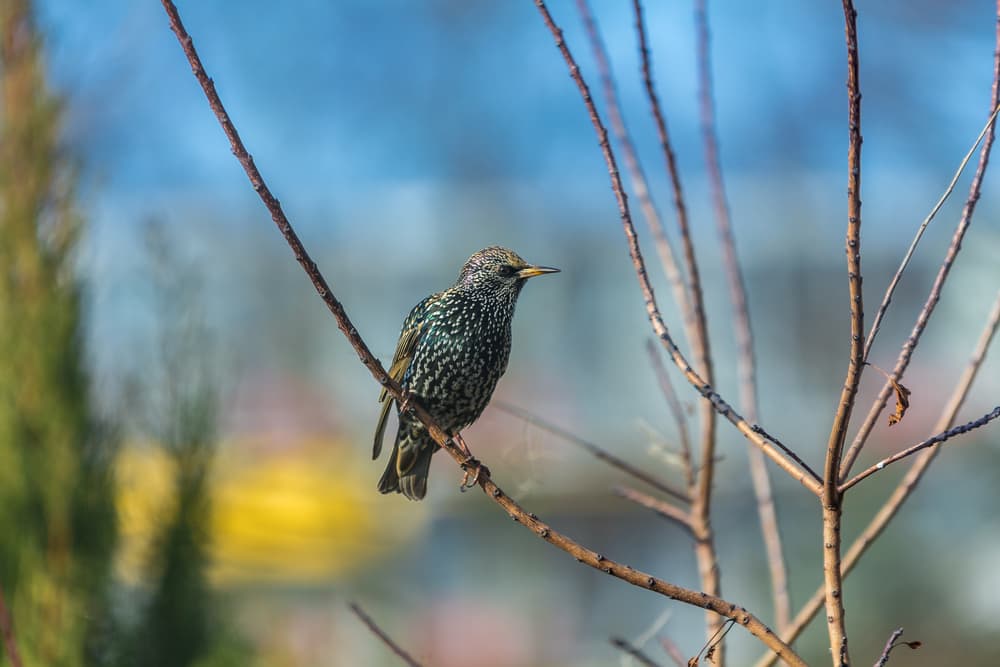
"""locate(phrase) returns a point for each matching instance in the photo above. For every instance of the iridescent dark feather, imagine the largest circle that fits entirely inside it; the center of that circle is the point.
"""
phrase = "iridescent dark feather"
(452, 350)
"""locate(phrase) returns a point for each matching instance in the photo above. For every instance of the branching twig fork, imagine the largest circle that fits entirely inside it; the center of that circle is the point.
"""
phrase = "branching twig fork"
(831, 499)
(894, 282)
(929, 442)
(910, 345)
(905, 487)
(785, 459)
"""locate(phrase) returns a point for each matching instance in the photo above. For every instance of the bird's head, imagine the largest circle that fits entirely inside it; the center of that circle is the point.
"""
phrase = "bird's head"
(499, 269)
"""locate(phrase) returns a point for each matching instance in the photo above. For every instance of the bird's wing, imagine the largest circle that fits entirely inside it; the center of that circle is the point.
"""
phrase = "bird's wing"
(407, 345)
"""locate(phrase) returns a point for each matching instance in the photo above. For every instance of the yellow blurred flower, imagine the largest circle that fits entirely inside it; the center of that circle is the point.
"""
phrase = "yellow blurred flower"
(301, 515)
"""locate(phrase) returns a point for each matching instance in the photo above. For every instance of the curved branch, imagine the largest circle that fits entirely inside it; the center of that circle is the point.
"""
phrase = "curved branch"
(592, 559)
(774, 450)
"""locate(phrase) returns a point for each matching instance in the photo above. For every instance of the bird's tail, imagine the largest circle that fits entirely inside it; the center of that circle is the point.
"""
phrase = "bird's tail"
(408, 466)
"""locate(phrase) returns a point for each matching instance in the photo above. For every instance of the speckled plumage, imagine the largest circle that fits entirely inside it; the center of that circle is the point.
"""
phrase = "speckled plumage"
(452, 350)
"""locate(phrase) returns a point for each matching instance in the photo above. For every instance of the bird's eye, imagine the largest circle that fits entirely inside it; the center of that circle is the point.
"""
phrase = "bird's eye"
(505, 270)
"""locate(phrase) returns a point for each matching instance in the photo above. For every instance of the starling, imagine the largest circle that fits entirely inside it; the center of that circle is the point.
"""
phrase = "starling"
(452, 350)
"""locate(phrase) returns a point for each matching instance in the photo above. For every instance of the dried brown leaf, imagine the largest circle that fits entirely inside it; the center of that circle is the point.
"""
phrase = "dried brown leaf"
(693, 662)
(914, 645)
(902, 402)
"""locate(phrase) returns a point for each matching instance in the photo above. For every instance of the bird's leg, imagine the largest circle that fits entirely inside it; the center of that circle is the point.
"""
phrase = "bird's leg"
(460, 441)
(470, 466)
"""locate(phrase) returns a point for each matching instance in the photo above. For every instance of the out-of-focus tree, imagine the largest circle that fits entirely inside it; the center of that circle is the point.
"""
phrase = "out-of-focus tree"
(56, 510)
(180, 624)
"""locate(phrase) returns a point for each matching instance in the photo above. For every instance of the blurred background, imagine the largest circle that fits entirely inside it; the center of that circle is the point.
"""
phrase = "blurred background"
(185, 475)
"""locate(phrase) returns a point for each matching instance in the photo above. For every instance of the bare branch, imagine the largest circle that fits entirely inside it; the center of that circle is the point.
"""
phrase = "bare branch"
(636, 173)
(836, 625)
(905, 354)
(887, 299)
(905, 487)
(661, 507)
(663, 378)
(599, 452)
(673, 651)
(929, 442)
(7, 630)
(640, 657)
(380, 633)
(889, 645)
(746, 363)
(516, 512)
(753, 433)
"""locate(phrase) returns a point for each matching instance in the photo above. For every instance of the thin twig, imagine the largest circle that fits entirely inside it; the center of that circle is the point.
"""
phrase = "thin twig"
(905, 487)
(663, 508)
(598, 452)
(889, 645)
(674, 651)
(637, 175)
(640, 657)
(381, 634)
(929, 442)
(778, 453)
(583, 555)
(836, 625)
(746, 364)
(7, 629)
(887, 299)
(906, 353)
(676, 410)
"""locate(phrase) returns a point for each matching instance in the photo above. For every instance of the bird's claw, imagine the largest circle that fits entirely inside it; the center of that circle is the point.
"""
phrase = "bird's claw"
(471, 467)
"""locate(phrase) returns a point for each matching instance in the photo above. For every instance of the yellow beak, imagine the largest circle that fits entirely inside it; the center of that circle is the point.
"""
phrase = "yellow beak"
(532, 271)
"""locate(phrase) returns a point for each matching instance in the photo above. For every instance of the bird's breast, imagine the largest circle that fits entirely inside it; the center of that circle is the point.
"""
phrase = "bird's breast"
(457, 364)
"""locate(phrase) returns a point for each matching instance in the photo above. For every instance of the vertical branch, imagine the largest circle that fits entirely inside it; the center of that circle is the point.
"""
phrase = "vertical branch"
(701, 515)
(906, 486)
(746, 363)
(906, 353)
(832, 497)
